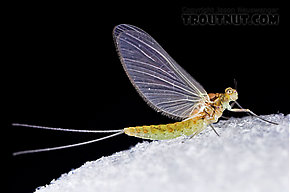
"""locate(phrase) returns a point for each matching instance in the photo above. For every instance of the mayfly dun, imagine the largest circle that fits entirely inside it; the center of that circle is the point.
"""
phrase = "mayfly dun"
(166, 87)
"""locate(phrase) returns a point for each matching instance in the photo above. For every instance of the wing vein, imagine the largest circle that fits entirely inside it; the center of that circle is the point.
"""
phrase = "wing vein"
(161, 82)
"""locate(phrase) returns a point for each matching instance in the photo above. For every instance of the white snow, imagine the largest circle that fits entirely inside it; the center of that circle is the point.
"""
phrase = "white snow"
(250, 155)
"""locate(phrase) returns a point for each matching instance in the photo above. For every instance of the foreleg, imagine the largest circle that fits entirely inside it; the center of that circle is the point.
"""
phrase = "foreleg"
(241, 110)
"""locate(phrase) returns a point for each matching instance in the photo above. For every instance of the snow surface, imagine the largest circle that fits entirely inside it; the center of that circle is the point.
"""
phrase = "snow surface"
(250, 155)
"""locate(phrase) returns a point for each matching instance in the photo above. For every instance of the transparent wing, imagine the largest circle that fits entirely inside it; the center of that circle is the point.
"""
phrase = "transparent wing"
(161, 82)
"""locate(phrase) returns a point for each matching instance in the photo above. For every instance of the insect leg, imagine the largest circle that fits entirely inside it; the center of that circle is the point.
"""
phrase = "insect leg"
(214, 130)
(227, 118)
(191, 136)
(251, 113)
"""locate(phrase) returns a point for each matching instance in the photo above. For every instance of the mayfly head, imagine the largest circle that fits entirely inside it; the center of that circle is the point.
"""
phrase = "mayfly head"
(231, 94)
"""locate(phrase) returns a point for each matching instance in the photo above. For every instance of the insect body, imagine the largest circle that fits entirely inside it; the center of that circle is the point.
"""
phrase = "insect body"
(168, 131)
(165, 86)
(203, 115)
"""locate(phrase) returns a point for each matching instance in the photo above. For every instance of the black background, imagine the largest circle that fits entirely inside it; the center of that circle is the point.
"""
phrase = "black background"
(63, 71)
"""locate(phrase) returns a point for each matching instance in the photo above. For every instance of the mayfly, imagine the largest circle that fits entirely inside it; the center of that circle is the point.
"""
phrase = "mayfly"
(166, 87)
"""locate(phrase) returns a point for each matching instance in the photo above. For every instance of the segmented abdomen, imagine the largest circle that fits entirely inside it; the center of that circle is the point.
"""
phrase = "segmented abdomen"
(168, 131)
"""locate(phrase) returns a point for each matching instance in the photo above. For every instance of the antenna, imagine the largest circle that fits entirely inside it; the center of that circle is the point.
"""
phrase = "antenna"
(236, 84)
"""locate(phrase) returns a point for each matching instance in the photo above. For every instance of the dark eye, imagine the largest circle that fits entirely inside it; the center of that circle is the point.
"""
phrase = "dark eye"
(230, 91)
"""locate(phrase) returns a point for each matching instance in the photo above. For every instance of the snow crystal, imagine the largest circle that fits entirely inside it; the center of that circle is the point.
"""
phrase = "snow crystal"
(249, 155)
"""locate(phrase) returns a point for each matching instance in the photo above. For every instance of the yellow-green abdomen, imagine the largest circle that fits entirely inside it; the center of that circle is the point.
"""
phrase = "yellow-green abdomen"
(168, 131)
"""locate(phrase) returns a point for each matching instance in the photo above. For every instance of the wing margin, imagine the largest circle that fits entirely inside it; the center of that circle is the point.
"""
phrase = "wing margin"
(160, 81)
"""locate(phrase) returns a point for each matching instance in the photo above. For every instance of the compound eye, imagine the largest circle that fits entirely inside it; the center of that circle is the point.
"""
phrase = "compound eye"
(229, 91)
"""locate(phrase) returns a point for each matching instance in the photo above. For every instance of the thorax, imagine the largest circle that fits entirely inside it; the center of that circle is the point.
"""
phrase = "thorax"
(212, 110)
